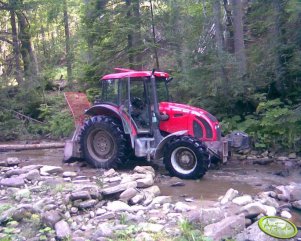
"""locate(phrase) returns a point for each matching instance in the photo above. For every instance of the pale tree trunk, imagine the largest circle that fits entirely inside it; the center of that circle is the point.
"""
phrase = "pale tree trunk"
(67, 42)
(239, 46)
(218, 26)
(18, 71)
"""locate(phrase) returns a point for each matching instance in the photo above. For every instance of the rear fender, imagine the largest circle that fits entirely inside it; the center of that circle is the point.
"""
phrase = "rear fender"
(160, 148)
(112, 111)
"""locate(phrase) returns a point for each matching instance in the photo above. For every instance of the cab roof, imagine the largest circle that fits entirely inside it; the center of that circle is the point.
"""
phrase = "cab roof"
(129, 73)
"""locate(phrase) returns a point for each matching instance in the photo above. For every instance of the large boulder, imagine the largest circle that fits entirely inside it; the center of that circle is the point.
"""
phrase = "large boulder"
(226, 228)
(12, 181)
(128, 194)
(253, 233)
(119, 188)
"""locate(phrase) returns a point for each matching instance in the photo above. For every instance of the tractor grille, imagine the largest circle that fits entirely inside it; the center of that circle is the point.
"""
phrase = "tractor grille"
(208, 129)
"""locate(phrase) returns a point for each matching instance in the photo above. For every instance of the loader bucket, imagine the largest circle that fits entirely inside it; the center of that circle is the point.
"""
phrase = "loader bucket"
(78, 103)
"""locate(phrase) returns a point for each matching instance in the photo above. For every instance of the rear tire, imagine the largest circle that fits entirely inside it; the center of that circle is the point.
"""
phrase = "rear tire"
(103, 142)
(186, 157)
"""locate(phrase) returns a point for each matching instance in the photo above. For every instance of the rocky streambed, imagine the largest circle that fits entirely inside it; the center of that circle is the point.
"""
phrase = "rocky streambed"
(42, 199)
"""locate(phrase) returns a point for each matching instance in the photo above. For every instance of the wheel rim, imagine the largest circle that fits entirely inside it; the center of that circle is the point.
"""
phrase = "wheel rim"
(101, 145)
(183, 160)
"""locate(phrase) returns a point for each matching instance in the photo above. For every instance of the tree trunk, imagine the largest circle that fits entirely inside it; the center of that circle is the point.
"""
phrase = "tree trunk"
(130, 34)
(229, 39)
(154, 36)
(218, 26)
(18, 147)
(137, 40)
(239, 46)
(18, 71)
(27, 52)
(220, 46)
(67, 42)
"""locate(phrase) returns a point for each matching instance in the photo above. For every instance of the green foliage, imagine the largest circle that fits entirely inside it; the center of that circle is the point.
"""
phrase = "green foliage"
(274, 125)
(57, 117)
(190, 233)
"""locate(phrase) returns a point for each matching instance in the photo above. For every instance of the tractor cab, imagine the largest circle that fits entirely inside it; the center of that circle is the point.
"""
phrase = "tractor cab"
(132, 93)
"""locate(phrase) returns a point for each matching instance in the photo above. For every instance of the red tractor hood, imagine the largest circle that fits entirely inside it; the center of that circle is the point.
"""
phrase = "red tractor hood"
(196, 121)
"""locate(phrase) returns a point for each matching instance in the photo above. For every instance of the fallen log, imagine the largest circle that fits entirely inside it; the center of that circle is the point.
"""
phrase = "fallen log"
(19, 147)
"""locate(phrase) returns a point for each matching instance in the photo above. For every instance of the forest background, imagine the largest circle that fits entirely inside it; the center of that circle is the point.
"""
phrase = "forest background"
(238, 59)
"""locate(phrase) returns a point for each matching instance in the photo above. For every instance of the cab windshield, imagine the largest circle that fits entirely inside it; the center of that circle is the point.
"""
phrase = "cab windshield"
(115, 91)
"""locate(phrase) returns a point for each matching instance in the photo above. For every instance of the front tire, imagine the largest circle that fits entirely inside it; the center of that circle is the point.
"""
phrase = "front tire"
(186, 157)
(103, 142)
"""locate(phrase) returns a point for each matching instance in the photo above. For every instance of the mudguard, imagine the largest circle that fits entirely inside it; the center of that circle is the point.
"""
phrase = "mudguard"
(160, 148)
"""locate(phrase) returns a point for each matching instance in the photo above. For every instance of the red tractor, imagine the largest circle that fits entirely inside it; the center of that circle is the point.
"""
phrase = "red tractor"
(134, 116)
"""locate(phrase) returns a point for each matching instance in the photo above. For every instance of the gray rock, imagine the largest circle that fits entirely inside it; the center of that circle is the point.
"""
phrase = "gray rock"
(242, 200)
(295, 193)
(12, 182)
(117, 206)
(143, 236)
(119, 188)
(137, 199)
(110, 173)
(154, 190)
(182, 207)
(211, 215)
(14, 172)
(285, 214)
(22, 193)
(74, 210)
(297, 204)
(265, 198)
(100, 211)
(128, 194)
(230, 194)
(162, 200)
(145, 170)
(105, 216)
(50, 218)
(103, 230)
(87, 204)
(62, 230)
(7, 214)
(145, 182)
(83, 195)
(69, 174)
(47, 170)
(282, 158)
(226, 228)
(148, 198)
(253, 233)
(252, 210)
(292, 155)
(12, 161)
(151, 227)
(33, 175)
